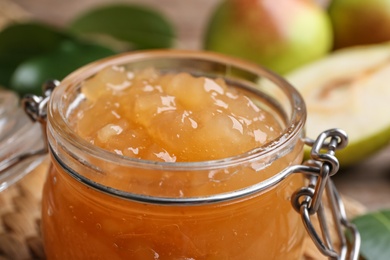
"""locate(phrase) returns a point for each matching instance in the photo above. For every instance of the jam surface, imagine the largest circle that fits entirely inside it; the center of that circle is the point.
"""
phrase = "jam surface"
(171, 117)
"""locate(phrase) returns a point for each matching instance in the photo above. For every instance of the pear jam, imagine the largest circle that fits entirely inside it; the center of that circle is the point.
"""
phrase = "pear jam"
(171, 118)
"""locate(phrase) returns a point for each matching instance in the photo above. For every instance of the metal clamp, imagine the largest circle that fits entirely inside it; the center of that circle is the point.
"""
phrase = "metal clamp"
(36, 108)
(308, 201)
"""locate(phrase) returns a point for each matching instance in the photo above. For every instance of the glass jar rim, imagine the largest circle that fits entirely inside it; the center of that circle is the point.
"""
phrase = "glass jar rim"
(57, 119)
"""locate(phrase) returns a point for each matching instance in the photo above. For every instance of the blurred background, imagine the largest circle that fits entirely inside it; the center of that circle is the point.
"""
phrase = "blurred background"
(189, 17)
(368, 182)
(364, 179)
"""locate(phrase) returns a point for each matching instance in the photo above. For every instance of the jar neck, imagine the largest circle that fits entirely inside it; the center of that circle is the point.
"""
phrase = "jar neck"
(188, 183)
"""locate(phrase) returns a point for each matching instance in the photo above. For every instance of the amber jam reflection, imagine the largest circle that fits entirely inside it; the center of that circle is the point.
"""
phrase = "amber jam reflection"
(169, 118)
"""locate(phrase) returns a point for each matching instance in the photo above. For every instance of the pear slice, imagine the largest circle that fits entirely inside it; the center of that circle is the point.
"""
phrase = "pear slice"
(349, 89)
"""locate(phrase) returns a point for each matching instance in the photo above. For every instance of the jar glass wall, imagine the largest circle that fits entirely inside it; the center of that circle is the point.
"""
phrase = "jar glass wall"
(99, 204)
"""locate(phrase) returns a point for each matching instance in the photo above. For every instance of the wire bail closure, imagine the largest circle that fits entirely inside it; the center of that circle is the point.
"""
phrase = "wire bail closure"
(308, 201)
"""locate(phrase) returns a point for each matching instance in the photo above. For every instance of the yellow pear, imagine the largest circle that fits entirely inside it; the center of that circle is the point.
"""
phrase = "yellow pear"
(280, 35)
(360, 22)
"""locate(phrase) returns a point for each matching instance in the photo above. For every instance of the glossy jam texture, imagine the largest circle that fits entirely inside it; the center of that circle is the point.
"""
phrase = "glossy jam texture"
(171, 117)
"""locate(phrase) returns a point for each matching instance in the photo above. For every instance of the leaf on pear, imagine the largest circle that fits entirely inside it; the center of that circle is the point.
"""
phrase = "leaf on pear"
(69, 56)
(374, 229)
(138, 27)
(19, 42)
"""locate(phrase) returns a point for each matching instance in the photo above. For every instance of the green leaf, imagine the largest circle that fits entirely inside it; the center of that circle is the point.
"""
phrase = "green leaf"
(19, 42)
(139, 27)
(374, 229)
(69, 56)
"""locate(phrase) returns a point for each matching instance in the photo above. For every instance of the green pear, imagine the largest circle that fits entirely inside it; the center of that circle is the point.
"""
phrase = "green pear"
(281, 35)
(360, 22)
(349, 89)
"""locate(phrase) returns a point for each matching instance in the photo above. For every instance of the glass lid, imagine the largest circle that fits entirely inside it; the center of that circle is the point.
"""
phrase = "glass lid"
(18, 135)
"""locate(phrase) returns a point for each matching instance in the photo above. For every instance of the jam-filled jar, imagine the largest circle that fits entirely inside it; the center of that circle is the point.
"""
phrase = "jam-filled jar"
(175, 155)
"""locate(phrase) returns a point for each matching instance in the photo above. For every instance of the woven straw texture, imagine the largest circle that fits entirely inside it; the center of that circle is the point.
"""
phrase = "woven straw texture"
(20, 213)
(20, 205)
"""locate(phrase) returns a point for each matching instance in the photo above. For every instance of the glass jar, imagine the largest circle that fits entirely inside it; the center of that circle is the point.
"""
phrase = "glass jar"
(102, 205)
(18, 136)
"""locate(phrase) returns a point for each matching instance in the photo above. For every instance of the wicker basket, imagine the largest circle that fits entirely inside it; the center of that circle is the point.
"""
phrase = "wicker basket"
(20, 205)
(20, 216)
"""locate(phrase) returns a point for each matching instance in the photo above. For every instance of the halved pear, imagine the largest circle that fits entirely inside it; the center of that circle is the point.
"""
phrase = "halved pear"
(349, 89)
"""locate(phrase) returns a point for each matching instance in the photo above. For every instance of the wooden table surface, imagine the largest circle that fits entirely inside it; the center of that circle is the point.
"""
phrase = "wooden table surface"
(367, 182)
